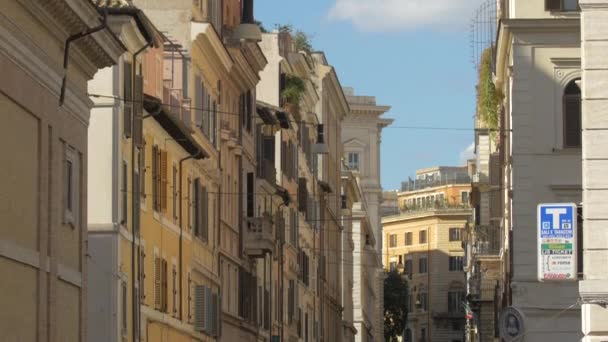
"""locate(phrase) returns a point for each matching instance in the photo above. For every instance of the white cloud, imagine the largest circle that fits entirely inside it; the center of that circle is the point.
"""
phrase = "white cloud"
(397, 15)
(467, 153)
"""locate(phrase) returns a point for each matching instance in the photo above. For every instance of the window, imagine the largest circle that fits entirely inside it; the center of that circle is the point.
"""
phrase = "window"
(128, 102)
(423, 334)
(464, 197)
(189, 204)
(455, 234)
(71, 186)
(143, 171)
(572, 115)
(422, 236)
(408, 238)
(408, 267)
(561, 5)
(456, 263)
(353, 161)
(123, 307)
(123, 194)
(455, 299)
(422, 301)
(159, 179)
(422, 265)
(393, 240)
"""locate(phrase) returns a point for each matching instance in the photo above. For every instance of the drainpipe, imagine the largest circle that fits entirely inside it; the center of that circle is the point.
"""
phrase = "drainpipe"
(66, 51)
(181, 230)
(134, 209)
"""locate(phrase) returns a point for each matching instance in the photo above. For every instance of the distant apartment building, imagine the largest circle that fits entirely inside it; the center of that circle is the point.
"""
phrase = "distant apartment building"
(362, 138)
(45, 113)
(390, 203)
(424, 243)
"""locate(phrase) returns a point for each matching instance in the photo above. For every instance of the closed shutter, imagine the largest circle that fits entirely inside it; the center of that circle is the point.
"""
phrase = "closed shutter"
(128, 96)
(142, 274)
(208, 309)
(216, 316)
(138, 98)
(198, 101)
(157, 283)
(163, 181)
(553, 5)
(199, 308)
(284, 157)
(197, 207)
(205, 215)
(164, 291)
(250, 195)
(302, 195)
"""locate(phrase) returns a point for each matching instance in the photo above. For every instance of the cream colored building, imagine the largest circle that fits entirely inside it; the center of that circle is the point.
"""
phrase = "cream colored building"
(538, 68)
(424, 243)
(44, 165)
(592, 290)
(362, 137)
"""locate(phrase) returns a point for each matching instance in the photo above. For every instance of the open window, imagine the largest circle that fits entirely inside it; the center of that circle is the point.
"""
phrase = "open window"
(572, 115)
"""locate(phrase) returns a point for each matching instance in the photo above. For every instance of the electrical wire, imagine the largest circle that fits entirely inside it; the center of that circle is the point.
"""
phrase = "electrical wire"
(210, 110)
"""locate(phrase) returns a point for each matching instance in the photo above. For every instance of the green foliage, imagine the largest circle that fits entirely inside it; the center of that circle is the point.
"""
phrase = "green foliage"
(261, 25)
(294, 88)
(301, 40)
(395, 305)
(489, 98)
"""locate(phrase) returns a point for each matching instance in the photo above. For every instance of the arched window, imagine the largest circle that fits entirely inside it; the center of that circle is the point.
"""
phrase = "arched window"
(572, 115)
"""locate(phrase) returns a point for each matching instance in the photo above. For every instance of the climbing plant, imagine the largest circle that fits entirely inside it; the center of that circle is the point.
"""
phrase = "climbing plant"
(489, 98)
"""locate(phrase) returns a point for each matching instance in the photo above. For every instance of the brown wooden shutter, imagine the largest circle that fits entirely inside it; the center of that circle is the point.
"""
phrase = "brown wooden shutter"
(157, 283)
(128, 98)
(163, 180)
(138, 98)
(553, 5)
(197, 207)
(164, 294)
(199, 308)
(205, 215)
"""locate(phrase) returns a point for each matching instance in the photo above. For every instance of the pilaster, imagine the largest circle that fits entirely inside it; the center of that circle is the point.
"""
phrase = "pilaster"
(593, 290)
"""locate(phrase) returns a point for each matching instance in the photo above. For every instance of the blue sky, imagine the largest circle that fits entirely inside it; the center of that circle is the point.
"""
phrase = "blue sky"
(413, 55)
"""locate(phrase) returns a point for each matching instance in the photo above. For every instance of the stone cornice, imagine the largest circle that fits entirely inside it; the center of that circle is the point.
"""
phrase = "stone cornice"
(209, 44)
(593, 5)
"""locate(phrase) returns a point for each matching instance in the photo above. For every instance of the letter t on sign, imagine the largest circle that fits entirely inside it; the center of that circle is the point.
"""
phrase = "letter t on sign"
(555, 212)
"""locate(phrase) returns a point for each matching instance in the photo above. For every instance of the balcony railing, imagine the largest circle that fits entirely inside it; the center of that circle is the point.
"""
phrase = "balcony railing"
(267, 171)
(419, 184)
(488, 241)
(259, 237)
(437, 205)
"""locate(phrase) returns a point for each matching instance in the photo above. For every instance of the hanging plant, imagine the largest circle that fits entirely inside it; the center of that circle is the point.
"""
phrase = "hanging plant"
(489, 98)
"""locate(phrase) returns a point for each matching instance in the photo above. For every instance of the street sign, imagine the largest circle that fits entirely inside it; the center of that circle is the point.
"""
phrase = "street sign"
(511, 324)
(557, 242)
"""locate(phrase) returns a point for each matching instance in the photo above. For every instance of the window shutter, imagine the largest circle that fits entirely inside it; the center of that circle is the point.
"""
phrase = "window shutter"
(164, 293)
(138, 98)
(208, 310)
(250, 194)
(197, 207)
(205, 215)
(198, 101)
(215, 321)
(142, 274)
(163, 181)
(128, 99)
(553, 5)
(284, 157)
(199, 308)
(157, 284)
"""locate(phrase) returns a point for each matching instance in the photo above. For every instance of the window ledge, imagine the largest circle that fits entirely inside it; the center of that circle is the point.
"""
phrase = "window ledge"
(567, 151)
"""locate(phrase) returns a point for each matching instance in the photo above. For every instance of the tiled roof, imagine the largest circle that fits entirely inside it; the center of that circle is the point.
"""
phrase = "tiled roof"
(112, 3)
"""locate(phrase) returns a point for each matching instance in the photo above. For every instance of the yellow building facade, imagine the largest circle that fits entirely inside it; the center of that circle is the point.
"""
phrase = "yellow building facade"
(424, 243)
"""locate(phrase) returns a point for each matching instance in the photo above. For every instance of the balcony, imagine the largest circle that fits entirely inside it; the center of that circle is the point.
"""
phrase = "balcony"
(433, 206)
(487, 241)
(259, 236)
(267, 171)
(179, 107)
